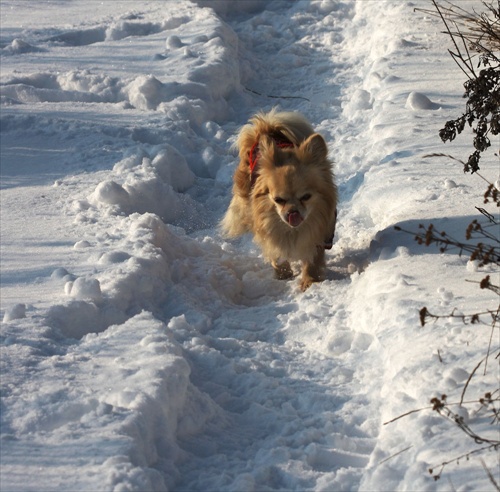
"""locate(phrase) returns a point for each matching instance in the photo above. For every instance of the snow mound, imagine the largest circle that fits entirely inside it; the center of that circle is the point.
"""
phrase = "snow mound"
(74, 86)
(197, 80)
(18, 47)
(151, 183)
(224, 8)
(418, 101)
(84, 288)
(361, 100)
(18, 311)
(117, 30)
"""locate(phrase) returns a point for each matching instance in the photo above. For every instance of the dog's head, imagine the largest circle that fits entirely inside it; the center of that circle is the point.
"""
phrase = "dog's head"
(294, 179)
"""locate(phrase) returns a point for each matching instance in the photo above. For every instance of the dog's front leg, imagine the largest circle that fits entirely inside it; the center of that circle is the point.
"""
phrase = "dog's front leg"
(282, 269)
(313, 271)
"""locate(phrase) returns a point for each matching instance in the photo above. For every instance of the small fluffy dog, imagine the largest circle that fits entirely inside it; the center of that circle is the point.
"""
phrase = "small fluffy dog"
(284, 194)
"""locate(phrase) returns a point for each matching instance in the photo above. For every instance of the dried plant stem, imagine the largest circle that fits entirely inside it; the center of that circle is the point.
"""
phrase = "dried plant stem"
(490, 475)
(469, 380)
(495, 318)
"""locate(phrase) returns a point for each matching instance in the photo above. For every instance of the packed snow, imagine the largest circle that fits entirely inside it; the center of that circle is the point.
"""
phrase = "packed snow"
(143, 351)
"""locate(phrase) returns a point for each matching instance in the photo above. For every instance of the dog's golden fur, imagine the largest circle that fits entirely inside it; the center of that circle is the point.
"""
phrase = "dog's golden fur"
(289, 205)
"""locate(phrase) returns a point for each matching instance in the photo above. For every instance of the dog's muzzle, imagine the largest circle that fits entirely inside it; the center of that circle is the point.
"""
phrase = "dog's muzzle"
(294, 218)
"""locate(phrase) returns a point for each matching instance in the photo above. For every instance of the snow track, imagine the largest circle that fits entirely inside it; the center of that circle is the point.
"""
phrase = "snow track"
(290, 403)
(141, 351)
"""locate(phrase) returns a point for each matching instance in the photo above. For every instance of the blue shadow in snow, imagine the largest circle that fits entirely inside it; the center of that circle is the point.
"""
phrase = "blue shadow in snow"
(386, 242)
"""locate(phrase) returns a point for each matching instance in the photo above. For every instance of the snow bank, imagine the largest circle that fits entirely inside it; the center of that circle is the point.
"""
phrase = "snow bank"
(224, 8)
(127, 283)
(125, 406)
(201, 68)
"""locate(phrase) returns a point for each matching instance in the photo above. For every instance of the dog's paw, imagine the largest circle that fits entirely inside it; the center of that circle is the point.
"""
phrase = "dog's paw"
(282, 270)
(307, 280)
(305, 283)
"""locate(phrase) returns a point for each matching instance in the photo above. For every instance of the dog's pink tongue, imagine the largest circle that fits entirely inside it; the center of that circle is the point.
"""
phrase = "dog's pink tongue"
(294, 219)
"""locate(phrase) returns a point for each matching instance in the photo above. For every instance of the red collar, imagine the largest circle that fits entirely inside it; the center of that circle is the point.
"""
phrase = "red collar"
(253, 156)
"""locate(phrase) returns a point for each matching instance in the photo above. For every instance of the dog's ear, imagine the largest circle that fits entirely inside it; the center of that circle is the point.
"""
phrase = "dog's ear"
(315, 148)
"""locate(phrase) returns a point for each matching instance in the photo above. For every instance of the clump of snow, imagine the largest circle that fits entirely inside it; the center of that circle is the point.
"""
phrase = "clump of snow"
(84, 288)
(19, 46)
(172, 168)
(449, 184)
(225, 8)
(360, 100)
(111, 193)
(146, 92)
(124, 28)
(418, 101)
(18, 311)
(81, 244)
(174, 42)
(152, 182)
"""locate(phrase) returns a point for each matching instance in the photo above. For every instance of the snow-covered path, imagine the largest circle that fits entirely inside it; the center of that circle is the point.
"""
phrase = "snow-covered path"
(141, 351)
(290, 402)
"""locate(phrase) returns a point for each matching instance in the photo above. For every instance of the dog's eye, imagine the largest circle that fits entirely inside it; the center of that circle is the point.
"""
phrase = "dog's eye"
(279, 200)
(305, 197)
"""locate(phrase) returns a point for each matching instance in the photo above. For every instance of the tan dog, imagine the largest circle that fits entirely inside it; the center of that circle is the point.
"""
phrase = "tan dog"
(284, 194)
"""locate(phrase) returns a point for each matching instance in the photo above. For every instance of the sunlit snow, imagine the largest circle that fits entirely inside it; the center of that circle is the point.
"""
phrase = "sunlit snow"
(141, 350)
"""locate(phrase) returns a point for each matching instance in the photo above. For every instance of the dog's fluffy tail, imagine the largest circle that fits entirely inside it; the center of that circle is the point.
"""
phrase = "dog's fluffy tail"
(238, 219)
(290, 124)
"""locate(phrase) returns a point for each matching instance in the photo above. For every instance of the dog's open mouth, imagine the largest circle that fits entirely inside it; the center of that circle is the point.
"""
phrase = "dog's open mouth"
(294, 219)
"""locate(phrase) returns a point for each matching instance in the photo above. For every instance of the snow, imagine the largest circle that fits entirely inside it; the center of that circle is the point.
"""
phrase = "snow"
(141, 350)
